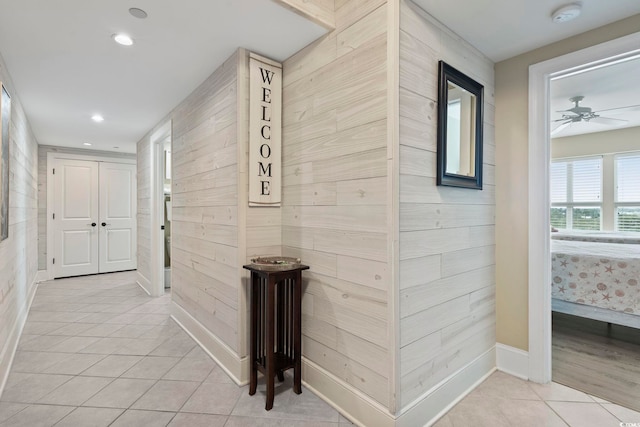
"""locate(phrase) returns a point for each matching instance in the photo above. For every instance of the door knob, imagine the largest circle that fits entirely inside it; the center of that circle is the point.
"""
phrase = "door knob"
(104, 224)
(93, 224)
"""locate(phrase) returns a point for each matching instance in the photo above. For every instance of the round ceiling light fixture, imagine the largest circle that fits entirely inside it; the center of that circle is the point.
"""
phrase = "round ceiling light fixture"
(566, 13)
(123, 39)
(97, 118)
(138, 13)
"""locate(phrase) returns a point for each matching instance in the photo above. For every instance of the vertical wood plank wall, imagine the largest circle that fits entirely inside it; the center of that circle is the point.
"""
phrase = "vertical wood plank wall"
(205, 205)
(19, 252)
(143, 192)
(334, 213)
(447, 244)
(204, 242)
(319, 11)
(42, 190)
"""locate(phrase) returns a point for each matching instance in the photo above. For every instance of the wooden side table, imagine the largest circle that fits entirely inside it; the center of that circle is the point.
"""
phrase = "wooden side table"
(275, 326)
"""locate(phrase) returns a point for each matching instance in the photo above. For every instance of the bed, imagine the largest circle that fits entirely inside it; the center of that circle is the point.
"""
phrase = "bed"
(597, 279)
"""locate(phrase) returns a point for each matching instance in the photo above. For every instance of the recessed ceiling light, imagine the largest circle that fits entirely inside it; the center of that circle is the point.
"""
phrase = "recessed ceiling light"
(86, 143)
(566, 13)
(123, 39)
(138, 13)
(97, 118)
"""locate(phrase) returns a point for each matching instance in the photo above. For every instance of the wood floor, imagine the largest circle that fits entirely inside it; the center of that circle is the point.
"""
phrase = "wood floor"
(598, 360)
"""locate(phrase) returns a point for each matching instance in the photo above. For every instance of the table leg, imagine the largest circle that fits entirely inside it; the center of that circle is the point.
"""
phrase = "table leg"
(270, 362)
(297, 326)
(254, 334)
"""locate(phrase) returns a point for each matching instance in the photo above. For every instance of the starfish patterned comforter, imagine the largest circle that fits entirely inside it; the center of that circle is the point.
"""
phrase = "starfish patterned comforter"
(605, 275)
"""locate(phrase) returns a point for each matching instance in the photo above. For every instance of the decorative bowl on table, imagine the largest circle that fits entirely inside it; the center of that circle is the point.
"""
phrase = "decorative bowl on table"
(275, 263)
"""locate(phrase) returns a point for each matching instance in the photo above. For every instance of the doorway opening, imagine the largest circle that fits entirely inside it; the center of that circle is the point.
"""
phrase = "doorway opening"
(595, 236)
(540, 277)
(167, 211)
(91, 215)
(161, 209)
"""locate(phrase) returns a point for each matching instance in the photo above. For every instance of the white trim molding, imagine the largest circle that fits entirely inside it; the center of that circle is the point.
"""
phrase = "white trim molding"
(143, 282)
(11, 345)
(156, 257)
(539, 159)
(237, 368)
(426, 410)
(512, 361)
(436, 402)
(42, 276)
(351, 403)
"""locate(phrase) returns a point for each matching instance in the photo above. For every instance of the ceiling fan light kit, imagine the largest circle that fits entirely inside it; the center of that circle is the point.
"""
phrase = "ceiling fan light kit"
(578, 114)
(566, 13)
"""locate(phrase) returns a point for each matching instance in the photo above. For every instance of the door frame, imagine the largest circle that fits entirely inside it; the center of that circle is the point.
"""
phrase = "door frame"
(156, 147)
(53, 157)
(539, 142)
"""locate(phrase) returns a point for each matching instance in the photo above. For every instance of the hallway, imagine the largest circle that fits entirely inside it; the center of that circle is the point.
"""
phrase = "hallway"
(97, 351)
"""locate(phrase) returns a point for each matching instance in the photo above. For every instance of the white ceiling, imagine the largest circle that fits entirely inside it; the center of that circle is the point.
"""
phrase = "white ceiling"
(502, 29)
(65, 67)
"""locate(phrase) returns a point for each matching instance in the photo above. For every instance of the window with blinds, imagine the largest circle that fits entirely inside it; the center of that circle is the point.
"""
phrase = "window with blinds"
(627, 197)
(576, 193)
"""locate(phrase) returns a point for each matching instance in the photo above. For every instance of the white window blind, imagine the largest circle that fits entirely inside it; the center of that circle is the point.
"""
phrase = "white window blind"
(627, 197)
(559, 182)
(578, 181)
(628, 179)
(576, 193)
(587, 180)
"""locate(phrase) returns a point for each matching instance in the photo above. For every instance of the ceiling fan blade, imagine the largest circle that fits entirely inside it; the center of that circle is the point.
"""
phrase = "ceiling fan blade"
(619, 110)
(564, 119)
(608, 121)
(560, 128)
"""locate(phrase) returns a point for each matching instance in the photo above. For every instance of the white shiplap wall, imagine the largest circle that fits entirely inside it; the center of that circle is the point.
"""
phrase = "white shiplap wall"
(447, 244)
(334, 210)
(213, 231)
(19, 252)
(143, 192)
(204, 246)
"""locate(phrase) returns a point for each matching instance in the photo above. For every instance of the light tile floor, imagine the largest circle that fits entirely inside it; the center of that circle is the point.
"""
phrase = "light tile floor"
(504, 400)
(97, 351)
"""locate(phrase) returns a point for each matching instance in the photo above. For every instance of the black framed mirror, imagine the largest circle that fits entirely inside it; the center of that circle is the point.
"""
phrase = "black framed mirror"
(460, 113)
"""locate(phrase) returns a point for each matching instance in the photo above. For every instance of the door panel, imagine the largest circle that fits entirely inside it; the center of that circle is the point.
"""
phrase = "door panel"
(76, 208)
(117, 217)
(118, 245)
(77, 244)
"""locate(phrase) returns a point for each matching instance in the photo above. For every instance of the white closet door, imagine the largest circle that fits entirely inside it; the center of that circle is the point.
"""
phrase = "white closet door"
(117, 217)
(76, 217)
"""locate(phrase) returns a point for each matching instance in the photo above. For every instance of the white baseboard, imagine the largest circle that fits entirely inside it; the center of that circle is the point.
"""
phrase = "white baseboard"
(364, 411)
(444, 396)
(143, 282)
(11, 345)
(353, 404)
(237, 368)
(512, 361)
(42, 276)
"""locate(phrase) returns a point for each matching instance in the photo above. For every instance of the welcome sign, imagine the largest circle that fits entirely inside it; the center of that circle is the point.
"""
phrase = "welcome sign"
(265, 131)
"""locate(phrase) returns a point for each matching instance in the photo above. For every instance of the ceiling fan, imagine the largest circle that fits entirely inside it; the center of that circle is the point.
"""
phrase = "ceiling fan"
(585, 114)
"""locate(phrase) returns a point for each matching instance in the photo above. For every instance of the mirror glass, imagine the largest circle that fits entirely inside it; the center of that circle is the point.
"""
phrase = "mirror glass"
(459, 129)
